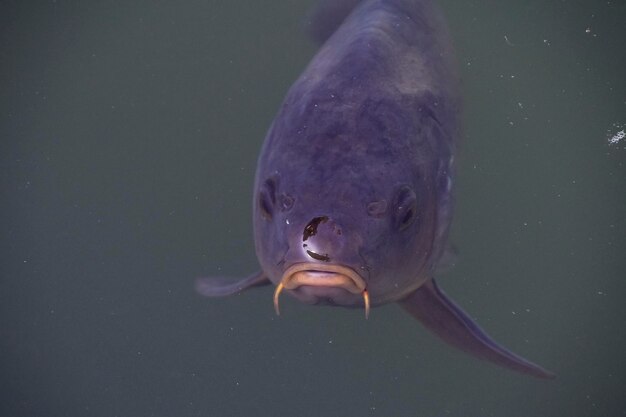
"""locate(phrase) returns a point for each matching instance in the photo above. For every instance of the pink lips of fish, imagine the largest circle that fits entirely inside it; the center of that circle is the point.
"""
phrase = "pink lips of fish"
(317, 275)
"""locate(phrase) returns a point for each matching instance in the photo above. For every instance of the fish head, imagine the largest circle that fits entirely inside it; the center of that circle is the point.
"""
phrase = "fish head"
(327, 238)
(352, 198)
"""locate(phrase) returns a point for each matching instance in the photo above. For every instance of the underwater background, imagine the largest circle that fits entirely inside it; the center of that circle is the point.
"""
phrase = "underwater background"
(129, 132)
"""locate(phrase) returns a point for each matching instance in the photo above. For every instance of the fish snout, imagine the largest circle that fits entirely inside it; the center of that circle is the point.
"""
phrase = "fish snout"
(324, 266)
(323, 239)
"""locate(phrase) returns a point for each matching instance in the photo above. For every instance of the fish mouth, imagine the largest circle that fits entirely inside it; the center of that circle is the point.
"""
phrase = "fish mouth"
(321, 275)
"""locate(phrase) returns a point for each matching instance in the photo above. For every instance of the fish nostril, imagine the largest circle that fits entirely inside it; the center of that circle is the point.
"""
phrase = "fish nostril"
(377, 209)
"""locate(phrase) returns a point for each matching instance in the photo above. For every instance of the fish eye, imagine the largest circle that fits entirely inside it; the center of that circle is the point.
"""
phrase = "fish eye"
(405, 208)
(267, 198)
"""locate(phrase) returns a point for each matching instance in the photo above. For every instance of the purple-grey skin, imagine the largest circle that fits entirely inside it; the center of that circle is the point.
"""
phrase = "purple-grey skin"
(353, 190)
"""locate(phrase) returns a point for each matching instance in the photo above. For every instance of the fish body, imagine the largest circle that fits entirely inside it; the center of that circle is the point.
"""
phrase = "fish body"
(353, 192)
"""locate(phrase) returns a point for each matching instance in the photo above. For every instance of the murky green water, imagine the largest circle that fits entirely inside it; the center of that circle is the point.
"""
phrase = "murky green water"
(128, 138)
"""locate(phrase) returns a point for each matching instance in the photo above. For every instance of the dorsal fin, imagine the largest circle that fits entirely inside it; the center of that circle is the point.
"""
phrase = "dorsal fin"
(326, 16)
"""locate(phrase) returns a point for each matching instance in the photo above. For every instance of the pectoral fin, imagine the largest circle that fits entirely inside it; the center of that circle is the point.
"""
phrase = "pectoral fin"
(443, 317)
(221, 287)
